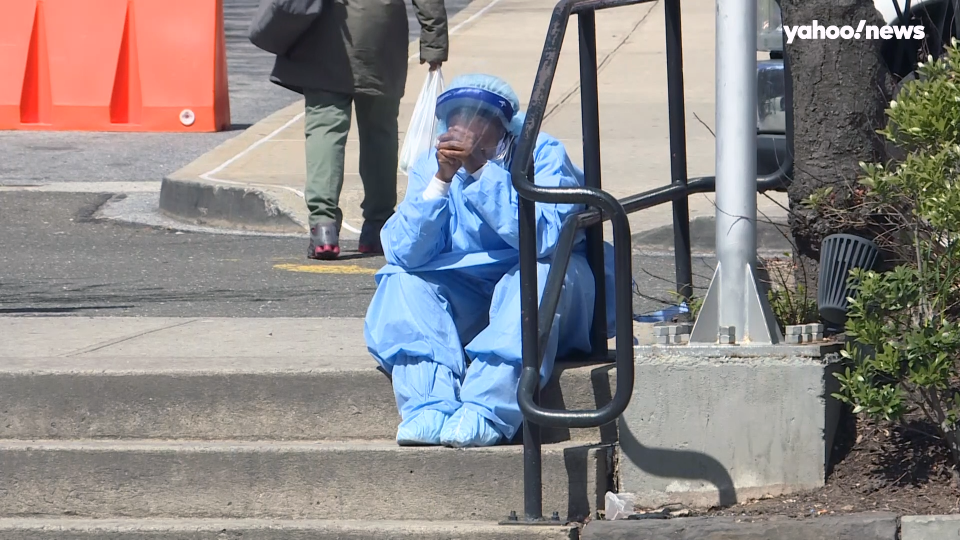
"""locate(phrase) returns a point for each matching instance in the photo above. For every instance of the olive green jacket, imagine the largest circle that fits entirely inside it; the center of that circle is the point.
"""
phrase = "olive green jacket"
(360, 46)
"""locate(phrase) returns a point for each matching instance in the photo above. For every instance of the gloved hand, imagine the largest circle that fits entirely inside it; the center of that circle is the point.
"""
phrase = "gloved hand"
(448, 165)
(462, 145)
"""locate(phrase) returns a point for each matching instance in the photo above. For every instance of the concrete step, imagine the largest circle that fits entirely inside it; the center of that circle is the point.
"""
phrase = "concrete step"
(210, 379)
(292, 480)
(254, 529)
(330, 395)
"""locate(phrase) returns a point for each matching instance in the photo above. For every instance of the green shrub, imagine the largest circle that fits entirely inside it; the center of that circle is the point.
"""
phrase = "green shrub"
(793, 307)
(905, 339)
(790, 301)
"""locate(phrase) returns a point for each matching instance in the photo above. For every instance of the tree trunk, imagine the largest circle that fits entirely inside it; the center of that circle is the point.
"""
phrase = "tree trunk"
(840, 90)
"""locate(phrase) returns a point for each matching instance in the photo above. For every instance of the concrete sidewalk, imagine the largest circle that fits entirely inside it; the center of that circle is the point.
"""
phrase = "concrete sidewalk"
(42, 343)
(255, 181)
(278, 344)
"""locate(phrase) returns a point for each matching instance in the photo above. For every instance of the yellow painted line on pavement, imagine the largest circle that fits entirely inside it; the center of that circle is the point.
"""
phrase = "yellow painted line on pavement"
(326, 268)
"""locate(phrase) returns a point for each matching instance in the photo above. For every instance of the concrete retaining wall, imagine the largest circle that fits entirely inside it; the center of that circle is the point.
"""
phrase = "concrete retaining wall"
(717, 425)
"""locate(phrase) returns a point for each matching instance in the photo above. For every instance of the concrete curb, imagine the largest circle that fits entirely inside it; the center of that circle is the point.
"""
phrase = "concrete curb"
(866, 526)
(929, 527)
(194, 195)
(859, 526)
(213, 204)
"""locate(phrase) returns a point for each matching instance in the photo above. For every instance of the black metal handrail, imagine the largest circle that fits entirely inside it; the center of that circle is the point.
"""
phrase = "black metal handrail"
(530, 193)
(600, 206)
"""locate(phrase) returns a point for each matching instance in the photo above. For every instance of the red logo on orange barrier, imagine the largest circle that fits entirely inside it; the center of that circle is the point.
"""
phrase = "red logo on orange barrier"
(113, 65)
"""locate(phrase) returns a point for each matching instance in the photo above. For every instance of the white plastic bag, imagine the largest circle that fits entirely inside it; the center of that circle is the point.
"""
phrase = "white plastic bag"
(420, 135)
(618, 505)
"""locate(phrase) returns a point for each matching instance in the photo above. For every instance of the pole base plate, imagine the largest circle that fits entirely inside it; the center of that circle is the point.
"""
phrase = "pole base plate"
(761, 323)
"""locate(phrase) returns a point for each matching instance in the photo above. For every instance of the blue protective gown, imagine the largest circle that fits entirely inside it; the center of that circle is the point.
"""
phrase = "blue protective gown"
(445, 319)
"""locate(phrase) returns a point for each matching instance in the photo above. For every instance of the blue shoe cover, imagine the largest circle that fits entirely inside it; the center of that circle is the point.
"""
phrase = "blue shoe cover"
(467, 428)
(421, 429)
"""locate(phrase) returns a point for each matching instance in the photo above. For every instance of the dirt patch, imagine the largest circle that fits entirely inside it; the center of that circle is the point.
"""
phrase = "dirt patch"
(902, 470)
(777, 273)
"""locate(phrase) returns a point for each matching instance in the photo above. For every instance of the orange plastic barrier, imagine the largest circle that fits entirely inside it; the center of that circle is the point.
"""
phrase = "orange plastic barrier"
(113, 65)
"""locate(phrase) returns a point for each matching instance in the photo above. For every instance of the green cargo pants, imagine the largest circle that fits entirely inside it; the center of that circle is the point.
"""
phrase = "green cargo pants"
(327, 123)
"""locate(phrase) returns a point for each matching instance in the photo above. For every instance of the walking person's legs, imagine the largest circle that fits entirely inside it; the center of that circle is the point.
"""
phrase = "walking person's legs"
(326, 125)
(379, 149)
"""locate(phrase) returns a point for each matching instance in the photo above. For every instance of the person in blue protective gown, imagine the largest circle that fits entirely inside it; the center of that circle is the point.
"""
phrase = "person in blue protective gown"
(445, 319)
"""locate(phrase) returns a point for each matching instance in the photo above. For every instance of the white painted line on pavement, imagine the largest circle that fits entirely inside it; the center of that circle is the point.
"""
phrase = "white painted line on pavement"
(483, 10)
(209, 174)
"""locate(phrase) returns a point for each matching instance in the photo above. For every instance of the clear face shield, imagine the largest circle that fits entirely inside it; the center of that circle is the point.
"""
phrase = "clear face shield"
(484, 115)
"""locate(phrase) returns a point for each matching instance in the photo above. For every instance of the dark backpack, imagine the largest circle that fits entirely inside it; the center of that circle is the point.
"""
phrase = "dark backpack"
(278, 24)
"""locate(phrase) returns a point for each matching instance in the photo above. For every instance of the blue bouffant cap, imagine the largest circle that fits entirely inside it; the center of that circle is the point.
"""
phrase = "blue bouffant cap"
(486, 94)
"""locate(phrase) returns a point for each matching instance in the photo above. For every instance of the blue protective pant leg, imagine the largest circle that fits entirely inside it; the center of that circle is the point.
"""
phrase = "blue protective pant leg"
(415, 328)
(490, 386)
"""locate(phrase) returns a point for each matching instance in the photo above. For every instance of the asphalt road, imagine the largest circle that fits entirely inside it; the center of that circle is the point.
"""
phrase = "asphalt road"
(42, 157)
(57, 260)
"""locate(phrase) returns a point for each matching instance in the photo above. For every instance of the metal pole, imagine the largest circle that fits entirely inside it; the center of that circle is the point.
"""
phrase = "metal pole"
(532, 471)
(735, 301)
(736, 68)
(590, 121)
(678, 150)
